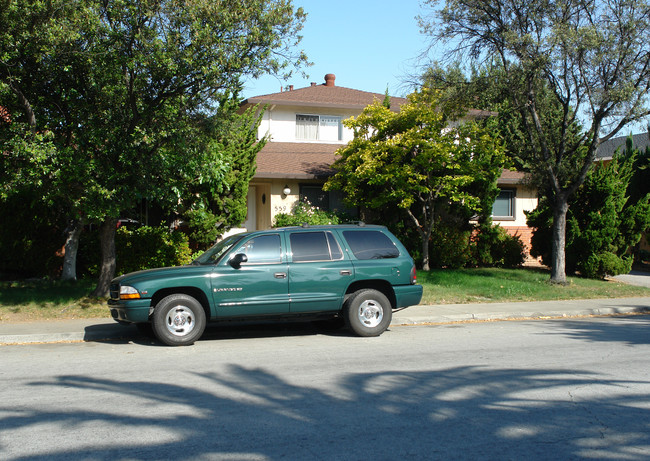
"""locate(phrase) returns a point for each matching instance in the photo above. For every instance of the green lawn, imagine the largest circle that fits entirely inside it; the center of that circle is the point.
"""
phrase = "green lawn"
(47, 300)
(501, 285)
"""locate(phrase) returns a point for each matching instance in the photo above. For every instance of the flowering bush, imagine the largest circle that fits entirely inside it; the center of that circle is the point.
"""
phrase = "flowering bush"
(304, 212)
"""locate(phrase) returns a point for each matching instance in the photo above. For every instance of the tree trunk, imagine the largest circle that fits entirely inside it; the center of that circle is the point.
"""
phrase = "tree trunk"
(71, 246)
(558, 255)
(425, 250)
(107, 270)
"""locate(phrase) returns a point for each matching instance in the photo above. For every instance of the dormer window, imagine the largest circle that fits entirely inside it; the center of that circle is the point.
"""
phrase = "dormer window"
(319, 127)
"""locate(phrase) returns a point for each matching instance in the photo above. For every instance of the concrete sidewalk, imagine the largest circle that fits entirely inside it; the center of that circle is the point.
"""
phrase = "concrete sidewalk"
(107, 329)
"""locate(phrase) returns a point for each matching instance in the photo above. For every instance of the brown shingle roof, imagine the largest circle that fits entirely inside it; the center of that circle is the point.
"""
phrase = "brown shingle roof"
(324, 95)
(293, 160)
(512, 177)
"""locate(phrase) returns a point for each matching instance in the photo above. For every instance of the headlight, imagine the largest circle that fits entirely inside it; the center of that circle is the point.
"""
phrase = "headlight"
(127, 292)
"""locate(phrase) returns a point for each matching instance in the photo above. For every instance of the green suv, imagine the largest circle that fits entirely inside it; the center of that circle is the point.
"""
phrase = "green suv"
(357, 272)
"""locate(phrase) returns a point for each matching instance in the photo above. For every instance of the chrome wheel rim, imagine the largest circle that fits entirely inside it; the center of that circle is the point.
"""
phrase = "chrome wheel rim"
(370, 313)
(180, 321)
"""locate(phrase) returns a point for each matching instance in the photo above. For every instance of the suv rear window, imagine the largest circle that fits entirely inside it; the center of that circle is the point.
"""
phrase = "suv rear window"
(369, 244)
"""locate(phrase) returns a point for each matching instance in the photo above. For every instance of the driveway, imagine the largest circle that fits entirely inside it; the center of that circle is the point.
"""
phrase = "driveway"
(639, 278)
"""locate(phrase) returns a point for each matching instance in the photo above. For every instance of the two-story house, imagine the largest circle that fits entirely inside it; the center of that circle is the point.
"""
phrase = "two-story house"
(305, 129)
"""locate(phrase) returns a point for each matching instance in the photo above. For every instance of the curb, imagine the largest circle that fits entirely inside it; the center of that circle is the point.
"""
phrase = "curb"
(532, 315)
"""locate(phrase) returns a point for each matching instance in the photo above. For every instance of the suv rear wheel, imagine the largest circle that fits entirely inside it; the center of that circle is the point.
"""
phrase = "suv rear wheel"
(368, 312)
(178, 320)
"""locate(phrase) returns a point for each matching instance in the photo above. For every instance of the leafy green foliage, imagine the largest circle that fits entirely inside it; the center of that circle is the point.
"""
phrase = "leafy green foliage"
(137, 249)
(304, 212)
(133, 94)
(29, 237)
(492, 246)
(454, 246)
(212, 190)
(602, 223)
(450, 246)
(576, 73)
(418, 161)
(149, 247)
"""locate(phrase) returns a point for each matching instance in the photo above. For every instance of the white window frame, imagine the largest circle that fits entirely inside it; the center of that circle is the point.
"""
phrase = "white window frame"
(304, 132)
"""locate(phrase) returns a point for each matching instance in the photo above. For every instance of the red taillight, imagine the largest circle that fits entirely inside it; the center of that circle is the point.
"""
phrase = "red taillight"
(414, 276)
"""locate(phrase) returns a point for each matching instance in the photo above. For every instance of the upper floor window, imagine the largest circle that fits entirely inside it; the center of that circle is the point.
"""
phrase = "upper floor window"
(319, 127)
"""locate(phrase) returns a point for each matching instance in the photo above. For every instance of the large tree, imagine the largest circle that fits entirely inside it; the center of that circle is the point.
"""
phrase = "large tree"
(122, 86)
(604, 222)
(418, 160)
(592, 57)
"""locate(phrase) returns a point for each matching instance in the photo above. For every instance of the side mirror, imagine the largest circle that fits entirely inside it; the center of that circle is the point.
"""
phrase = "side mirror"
(237, 260)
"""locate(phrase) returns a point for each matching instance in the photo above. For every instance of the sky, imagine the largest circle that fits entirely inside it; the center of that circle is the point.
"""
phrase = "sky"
(368, 44)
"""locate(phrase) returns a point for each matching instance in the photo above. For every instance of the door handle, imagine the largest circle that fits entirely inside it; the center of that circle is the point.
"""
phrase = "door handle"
(346, 272)
(280, 275)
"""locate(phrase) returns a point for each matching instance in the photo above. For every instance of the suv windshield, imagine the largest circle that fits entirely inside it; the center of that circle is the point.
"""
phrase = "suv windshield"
(214, 254)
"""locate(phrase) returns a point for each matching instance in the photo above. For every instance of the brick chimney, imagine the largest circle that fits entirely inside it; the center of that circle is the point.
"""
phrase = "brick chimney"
(329, 79)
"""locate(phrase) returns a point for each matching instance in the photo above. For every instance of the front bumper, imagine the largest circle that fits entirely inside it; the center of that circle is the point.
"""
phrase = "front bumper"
(132, 311)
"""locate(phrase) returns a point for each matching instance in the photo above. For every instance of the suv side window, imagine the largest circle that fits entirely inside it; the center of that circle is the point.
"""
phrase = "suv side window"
(265, 249)
(335, 249)
(370, 244)
(314, 246)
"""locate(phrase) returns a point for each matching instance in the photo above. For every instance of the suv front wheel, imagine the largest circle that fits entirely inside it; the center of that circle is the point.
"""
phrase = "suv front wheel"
(368, 312)
(178, 320)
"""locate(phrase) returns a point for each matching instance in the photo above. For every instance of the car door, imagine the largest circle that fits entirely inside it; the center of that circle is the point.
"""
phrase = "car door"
(319, 272)
(258, 286)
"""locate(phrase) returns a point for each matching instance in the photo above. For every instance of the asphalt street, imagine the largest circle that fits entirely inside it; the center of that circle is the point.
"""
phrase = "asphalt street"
(569, 389)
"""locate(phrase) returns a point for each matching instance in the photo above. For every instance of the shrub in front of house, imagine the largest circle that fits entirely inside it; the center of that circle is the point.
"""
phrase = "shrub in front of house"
(135, 249)
(603, 225)
(449, 246)
(454, 246)
(304, 212)
(492, 246)
(148, 247)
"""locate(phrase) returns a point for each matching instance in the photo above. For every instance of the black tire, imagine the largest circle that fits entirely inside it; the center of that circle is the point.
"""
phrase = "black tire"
(178, 320)
(368, 312)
